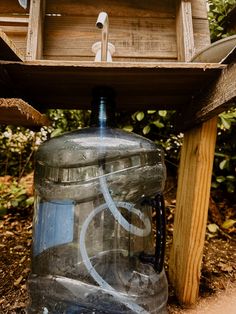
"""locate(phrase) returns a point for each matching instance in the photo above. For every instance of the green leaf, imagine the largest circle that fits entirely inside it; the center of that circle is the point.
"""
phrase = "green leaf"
(146, 129)
(128, 128)
(30, 201)
(226, 123)
(158, 124)
(231, 178)
(151, 111)
(56, 132)
(140, 116)
(14, 203)
(212, 228)
(228, 223)
(224, 164)
(162, 113)
(230, 187)
(214, 185)
(220, 179)
(133, 116)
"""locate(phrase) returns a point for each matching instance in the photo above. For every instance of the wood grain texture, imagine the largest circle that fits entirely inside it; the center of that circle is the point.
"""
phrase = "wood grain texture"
(122, 8)
(11, 6)
(192, 201)
(15, 27)
(143, 38)
(191, 210)
(199, 9)
(35, 30)
(17, 112)
(184, 30)
(216, 98)
(13, 20)
(8, 50)
(138, 85)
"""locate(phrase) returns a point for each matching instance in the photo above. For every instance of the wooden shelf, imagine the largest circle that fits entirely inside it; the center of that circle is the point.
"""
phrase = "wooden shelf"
(17, 112)
(8, 50)
(57, 84)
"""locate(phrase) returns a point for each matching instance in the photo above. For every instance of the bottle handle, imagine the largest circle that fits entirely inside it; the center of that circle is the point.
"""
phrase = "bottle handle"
(159, 205)
(158, 259)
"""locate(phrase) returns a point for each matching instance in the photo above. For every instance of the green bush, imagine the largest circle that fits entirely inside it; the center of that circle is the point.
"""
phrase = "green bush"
(218, 11)
(14, 196)
(224, 174)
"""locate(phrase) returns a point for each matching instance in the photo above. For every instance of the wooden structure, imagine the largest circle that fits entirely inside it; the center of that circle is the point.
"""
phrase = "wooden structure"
(154, 41)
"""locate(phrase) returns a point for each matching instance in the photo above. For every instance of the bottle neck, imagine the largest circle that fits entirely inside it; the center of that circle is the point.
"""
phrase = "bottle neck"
(103, 109)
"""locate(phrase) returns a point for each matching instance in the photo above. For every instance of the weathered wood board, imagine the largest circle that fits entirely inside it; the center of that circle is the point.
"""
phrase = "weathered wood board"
(60, 84)
(8, 50)
(17, 112)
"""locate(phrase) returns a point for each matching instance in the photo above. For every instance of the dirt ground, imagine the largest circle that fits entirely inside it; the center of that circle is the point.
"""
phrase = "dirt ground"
(218, 279)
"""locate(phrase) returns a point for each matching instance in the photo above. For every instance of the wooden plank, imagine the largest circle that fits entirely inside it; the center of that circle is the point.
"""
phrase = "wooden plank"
(137, 85)
(122, 8)
(8, 50)
(14, 30)
(35, 30)
(14, 19)
(17, 112)
(201, 29)
(213, 100)
(199, 9)
(201, 34)
(143, 38)
(191, 210)
(184, 30)
(11, 6)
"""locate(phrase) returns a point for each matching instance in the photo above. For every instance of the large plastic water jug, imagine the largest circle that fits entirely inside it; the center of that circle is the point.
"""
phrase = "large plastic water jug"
(95, 247)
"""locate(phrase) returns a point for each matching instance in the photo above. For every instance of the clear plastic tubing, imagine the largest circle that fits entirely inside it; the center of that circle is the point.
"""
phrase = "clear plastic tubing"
(127, 226)
(120, 219)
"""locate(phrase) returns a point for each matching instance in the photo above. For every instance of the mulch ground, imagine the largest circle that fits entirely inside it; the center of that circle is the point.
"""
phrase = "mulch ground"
(218, 267)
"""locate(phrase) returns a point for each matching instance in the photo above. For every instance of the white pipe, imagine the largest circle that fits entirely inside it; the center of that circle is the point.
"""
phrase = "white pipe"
(103, 24)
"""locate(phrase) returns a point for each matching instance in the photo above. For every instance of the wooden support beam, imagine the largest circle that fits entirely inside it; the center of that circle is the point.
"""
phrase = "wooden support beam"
(184, 30)
(215, 99)
(8, 50)
(34, 49)
(193, 191)
(17, 112)
(191, 210)
(14, 20)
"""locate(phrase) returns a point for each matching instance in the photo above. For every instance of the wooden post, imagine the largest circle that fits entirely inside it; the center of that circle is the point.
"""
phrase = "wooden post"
(191, 210)
(34, 49)
(184, 30)
(194, 183)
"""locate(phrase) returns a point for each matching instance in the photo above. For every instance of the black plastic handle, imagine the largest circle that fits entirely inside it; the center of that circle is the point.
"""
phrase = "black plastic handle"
(159, 205)
(158, 259)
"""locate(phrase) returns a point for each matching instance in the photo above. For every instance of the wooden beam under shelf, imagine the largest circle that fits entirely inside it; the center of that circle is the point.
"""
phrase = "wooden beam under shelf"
(8, 50)
(218, 97)
(17, 112)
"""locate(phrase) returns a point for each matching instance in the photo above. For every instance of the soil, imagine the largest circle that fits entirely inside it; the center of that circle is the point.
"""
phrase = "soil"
(218, 266)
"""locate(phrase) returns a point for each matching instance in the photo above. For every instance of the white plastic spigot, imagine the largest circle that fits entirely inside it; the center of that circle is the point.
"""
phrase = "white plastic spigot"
(103, 50)
(97, 50)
